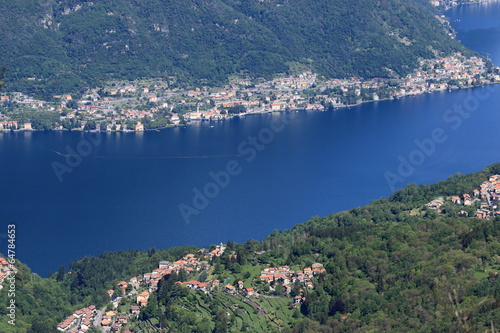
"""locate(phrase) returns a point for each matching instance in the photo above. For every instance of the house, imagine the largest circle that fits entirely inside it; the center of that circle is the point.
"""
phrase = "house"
(249, 292)
(175, 119)
(467, 199)
(123, 286)
(434, 204)
(455, 200)
(134, 282)
(179, 263)
(66, 324)
(142, 298)
(275, 106)
(240, 284)
(480, 215)
(317, 266)
(139, 127)
(134, 309)
(230, 289)
(110, 292)
(153, 285)
(27, 127)
(163, 264)
(192, 284)
(203, 287)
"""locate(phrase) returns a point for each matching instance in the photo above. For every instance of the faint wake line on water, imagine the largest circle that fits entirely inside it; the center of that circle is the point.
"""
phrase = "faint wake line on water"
(151, 157)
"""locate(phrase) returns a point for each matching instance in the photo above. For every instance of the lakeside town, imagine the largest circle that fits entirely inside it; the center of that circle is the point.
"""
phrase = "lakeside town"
(156, 103)
(128, 299)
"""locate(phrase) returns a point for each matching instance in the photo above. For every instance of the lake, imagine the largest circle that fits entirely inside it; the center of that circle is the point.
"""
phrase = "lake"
(242, 178)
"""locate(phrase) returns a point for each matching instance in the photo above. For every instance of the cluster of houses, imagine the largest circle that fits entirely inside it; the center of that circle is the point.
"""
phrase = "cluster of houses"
(78, 322)
(288, 277)
(113, 321)
(488, 196)
(23, 100)
(14, 125)
(206, 287)
(188, 263)
(231, 290)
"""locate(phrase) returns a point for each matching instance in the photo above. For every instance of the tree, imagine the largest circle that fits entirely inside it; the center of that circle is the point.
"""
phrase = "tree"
(221, 322)
(151, 310)
(203, 326)
(182, 276)
(42, 326)
(72, 104)
(203, 277)
(162, 320)
(61, 273)
(219, 269)
(2, 73)
(235, 268)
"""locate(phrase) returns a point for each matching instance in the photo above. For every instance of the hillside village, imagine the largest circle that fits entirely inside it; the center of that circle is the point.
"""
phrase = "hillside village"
(130, 297)
(482, 203)
(159, 103)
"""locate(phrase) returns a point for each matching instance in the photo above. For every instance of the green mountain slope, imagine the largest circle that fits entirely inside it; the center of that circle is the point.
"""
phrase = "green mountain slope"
(58, 46)
(39, 303)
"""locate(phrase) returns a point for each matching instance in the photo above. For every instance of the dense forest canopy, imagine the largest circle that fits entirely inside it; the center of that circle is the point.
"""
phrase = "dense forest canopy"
(62, 46)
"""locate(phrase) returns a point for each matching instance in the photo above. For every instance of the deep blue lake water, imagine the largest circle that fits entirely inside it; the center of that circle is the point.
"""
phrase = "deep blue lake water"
(126, 193)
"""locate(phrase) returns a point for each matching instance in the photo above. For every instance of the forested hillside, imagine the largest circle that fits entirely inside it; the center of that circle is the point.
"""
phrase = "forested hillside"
(62, 46)
(395, 265)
